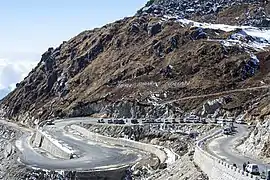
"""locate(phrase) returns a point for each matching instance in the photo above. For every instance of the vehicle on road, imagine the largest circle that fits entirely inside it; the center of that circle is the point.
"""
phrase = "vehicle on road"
(253, 169)
(110, 121)
(230, 119)
(203, 121)
(196, 120)
(213, 120)
(73, 156)
(181, 120)
(227, 131)
(193, 134)
(134, 121)
(119, 121)
(166, 121)
(149, 120)
(50, 123)
(192, 119)
(222, 122)
(174, 121)
(239, 121)
(101, 121)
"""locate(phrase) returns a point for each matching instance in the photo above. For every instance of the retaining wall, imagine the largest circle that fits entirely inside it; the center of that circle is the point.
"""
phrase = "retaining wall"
(122, 142)
(47, 143)
(215, 168)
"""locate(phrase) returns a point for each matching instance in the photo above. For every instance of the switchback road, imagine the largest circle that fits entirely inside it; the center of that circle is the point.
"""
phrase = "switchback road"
(223, 147)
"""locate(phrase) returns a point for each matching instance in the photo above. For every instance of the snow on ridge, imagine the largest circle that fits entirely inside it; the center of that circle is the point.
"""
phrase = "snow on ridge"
(261, 36)
(253, 45)
(256, 32)
(252, 56)
(223, 27)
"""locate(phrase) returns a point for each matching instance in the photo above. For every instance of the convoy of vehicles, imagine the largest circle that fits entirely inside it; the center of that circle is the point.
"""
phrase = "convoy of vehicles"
(227, 124)
(188, 119)
(192, 119)
(118, 121)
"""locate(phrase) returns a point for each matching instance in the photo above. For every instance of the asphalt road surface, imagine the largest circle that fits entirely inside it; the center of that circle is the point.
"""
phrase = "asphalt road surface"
(223, 148)
(92, 155)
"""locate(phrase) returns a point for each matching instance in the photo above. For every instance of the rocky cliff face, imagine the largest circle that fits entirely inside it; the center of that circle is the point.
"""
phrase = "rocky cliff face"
(135, 67)
(258, 143)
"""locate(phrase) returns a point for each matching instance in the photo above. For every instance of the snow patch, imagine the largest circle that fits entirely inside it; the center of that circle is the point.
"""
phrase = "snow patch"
(256, 32)
(261, 37)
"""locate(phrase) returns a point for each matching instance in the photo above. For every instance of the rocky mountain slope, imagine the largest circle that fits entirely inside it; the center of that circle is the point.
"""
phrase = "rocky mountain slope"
(257, 144)
(233, 12)
(150, 64)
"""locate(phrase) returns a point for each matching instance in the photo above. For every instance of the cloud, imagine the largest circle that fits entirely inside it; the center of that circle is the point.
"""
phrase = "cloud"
(4, 92)
(12, 72)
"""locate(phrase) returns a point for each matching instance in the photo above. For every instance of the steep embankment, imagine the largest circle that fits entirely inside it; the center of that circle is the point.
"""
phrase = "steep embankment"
(257, 144)
(136, 66)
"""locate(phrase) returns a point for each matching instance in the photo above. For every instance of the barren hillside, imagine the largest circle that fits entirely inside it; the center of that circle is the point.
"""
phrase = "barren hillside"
(146, 66)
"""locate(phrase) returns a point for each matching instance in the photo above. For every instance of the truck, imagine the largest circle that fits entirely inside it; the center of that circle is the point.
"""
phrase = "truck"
(227, 130)
(192, 119)
(101, 121)
(134, 121)
(239, 121)
(119, 121)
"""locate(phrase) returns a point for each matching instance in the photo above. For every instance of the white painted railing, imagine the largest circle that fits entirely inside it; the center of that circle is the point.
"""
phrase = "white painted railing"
(215, 168)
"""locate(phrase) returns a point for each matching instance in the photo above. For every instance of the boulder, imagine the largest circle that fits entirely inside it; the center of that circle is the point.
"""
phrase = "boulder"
(154, 29)
(173, 137)
(198, 33)
(134, 28)
(265, 23)
(163, 166)
(154, 141)
(137, 173)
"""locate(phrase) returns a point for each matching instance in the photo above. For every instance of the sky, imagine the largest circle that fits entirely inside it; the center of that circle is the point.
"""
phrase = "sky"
(29, 27)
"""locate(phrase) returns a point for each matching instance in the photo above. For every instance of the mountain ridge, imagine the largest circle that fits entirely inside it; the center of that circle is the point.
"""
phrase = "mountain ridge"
(129, 67)
(232, 12)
